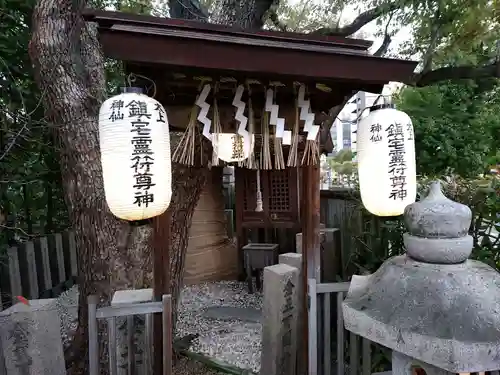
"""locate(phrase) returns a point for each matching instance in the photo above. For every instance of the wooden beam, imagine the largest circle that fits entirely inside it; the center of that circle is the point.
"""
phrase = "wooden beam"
(310, 217)
(107, 19)
(173, 52)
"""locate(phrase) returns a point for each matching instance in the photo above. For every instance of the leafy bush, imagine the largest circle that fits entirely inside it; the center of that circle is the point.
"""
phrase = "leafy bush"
(375, 239)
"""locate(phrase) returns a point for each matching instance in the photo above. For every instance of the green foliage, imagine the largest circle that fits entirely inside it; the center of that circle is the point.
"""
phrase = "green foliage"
(483, 197)
(307, 16)
(30, 186)
(373, 239)
(456, 127)
(31, 195)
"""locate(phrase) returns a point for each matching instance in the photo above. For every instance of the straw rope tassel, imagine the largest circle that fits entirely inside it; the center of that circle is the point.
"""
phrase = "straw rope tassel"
(251, 162)
(311, 152)
(265, 155)
(217, 129)
(294, 148)
(184, 152)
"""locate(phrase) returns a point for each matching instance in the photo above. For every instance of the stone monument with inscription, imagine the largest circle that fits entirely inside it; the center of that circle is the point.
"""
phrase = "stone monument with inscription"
(295, 260)
(435, 308)
(279, 320)
(30, 338)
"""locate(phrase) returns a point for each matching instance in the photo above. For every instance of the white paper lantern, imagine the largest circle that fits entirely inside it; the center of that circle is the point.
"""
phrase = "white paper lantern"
(386, 161)
(232, 147)
(135, 155)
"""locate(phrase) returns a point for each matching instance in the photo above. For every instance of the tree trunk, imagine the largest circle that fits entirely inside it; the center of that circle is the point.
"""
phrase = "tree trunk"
(189, 183)
(70, 73)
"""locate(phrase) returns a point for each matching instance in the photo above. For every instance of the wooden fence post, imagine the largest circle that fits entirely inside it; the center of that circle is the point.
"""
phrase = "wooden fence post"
(60, 257)
(47, 276)
(167, 335)
(14, 272)
(93, 336)
(29, 248)
(28, 269)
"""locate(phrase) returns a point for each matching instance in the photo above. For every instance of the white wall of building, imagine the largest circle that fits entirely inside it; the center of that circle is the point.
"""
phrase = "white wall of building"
(352, 113)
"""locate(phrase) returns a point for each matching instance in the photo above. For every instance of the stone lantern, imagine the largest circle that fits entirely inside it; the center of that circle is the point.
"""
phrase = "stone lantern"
(434, 308)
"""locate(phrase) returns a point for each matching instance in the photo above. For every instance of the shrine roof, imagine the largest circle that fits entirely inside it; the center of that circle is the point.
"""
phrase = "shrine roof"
(209, 49)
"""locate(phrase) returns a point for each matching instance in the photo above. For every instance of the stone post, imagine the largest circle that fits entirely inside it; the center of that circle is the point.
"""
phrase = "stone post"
(295, 260)
(279, 320)
(31, 340)
(298, 239)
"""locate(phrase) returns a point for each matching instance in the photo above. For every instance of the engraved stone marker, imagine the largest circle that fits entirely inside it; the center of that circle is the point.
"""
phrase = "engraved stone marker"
(295, 260)
(31, 339)
(279, 320)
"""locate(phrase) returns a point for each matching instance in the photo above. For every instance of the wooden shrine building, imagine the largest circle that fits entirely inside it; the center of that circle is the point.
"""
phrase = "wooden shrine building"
(183, 57)
(180, 55)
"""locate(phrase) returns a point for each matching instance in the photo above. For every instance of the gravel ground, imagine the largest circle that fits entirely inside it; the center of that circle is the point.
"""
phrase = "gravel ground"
(234, 342)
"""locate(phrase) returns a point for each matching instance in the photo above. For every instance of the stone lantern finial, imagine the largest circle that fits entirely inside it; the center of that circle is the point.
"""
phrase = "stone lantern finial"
(438, 229)
(432, 306)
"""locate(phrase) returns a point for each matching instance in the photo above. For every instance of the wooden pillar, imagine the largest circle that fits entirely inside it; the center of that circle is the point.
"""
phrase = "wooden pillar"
(239, 184)
(310, 218)
(161, 281)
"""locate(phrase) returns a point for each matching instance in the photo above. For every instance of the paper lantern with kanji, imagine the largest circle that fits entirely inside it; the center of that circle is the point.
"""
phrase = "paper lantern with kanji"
(386, 161)
(232, 147)
(135, 155)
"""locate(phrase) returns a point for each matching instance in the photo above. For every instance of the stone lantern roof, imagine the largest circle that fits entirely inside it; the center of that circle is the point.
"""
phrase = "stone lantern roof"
(432, 304)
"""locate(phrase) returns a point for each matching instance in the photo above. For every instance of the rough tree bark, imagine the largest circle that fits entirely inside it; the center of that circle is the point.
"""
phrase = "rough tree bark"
(70, 73)
(111, 255)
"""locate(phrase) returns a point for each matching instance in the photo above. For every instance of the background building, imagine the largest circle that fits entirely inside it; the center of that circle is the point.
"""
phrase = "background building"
(344, 128)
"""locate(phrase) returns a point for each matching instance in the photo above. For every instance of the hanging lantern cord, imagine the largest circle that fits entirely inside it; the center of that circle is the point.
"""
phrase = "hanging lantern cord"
(132, 78)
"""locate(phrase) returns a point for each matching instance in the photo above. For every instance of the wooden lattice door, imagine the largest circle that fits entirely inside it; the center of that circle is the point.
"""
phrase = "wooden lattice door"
(282, 199)
(279, 197)
(279, 221)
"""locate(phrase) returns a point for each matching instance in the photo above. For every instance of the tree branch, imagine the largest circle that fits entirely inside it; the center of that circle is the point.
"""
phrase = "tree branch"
(187, 9)
(428, 56)
(455, 73)
(360, 21)
(381, 51)
(335, 111)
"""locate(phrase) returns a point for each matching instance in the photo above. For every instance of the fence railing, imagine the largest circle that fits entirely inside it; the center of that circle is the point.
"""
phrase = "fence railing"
(110, 314)
(327, 332)
(34, 268)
